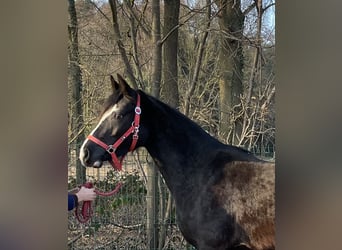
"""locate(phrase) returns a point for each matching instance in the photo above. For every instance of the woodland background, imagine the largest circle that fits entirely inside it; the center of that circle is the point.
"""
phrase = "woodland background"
(212, 60)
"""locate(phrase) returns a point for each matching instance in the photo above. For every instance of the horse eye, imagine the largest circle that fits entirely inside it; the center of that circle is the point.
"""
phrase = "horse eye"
(119, 117)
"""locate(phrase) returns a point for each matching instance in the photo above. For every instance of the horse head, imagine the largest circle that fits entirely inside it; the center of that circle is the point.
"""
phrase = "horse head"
(117, 131)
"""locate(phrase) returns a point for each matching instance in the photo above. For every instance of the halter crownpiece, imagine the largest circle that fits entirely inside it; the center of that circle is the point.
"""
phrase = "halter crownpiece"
(134, 129)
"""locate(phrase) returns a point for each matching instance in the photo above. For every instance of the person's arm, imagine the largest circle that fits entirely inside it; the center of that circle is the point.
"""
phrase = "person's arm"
(72, 201)
(84, 194)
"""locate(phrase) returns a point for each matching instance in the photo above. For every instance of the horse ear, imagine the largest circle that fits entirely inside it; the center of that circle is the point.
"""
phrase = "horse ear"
(115, 85)
(124, 87)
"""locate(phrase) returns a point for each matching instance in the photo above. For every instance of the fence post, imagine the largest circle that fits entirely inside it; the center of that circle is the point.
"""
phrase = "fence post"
(151, 205)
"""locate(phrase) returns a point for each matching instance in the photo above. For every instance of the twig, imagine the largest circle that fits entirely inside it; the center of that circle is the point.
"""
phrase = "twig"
(75, 239)
(137, 161)
(127, 227)
(101, 12)
(80, 131)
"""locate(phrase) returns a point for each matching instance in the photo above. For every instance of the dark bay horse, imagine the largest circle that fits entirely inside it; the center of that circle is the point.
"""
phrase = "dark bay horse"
(224, 195)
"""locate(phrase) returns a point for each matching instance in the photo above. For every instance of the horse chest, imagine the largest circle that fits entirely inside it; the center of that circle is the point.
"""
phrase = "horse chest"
(202, 221)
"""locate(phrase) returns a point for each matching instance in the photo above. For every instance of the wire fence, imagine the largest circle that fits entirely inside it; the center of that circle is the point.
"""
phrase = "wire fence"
(120, 221)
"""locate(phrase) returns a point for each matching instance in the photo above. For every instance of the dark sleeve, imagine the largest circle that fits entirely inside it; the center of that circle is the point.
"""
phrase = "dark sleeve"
(72, 201)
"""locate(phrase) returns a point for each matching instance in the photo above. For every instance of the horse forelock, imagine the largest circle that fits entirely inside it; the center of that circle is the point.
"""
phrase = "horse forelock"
(110, 102)
(110, 106)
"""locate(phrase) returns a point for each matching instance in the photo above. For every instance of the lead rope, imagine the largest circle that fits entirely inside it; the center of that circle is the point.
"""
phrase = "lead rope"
(86, 210)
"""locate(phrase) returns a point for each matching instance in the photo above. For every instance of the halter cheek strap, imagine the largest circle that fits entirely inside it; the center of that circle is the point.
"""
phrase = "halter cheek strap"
(134, 129)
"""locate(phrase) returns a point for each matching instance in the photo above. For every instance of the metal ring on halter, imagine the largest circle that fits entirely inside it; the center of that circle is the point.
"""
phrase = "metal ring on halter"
(137, 110)
(110, 149)
(133, 125)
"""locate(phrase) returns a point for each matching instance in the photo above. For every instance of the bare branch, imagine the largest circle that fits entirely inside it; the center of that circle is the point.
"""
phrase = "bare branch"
(198, 61)
(143, 25)
(99, 10)
(268, 6)
(249, 9)
(121, 46)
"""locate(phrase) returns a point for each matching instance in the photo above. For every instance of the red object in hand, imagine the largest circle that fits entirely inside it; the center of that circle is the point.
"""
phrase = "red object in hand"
(87, 210)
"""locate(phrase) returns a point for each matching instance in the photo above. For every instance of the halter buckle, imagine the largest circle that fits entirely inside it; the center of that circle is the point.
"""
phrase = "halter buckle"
(110, 149)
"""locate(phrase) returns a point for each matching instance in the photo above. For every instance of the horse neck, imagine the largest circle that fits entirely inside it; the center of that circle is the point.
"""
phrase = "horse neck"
(178, 146)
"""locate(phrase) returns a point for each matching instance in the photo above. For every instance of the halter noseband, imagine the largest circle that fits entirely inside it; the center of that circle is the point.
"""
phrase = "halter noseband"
(134, 129)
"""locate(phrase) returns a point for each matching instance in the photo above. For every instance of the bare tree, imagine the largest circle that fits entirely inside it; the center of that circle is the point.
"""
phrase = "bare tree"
(118, 39)
(170, 50)
(231, 21)
(157, 49)
(199, 58)
(133, 35)
(75, 82)
(259, 91)
(152, 230)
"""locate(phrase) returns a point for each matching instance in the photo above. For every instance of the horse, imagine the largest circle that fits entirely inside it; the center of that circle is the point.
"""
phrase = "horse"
(224, 195)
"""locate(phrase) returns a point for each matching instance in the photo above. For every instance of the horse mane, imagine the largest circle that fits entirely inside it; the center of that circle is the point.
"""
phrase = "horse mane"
(168, 111)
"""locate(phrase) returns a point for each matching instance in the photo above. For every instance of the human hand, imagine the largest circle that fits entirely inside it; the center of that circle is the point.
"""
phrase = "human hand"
(86, 194)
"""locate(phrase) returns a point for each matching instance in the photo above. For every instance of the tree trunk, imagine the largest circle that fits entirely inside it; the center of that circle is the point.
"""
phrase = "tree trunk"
(157, 52)
(256, 69)
(152, 189)
(169, 90)
(231, 21)
(75, 82)
(170, 50)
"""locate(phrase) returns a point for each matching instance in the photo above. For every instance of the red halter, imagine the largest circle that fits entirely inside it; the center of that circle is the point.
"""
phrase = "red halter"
(134, 129)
